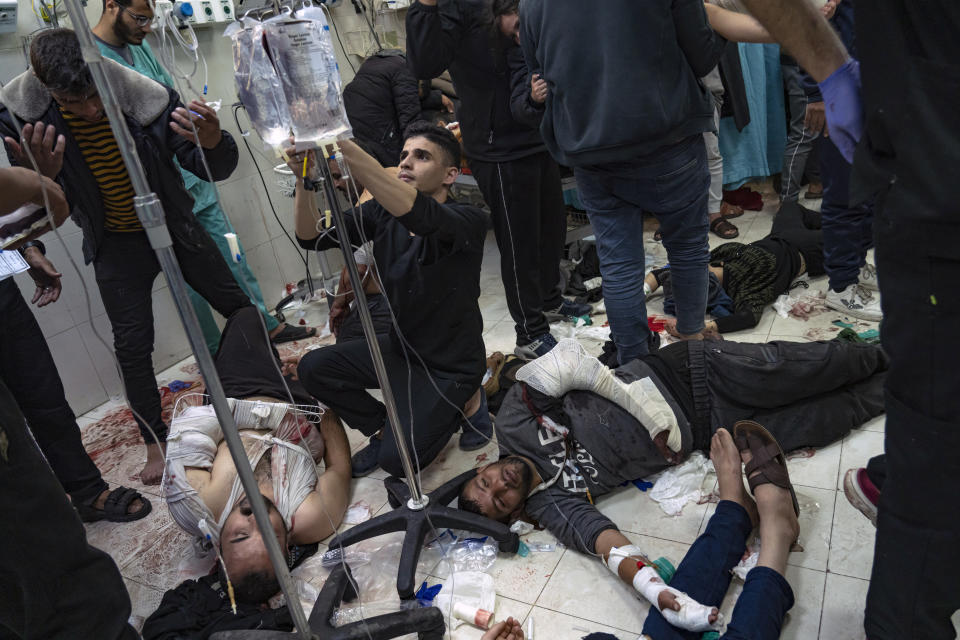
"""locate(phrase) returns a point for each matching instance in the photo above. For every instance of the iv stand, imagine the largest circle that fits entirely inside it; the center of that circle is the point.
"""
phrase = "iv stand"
(150, 212)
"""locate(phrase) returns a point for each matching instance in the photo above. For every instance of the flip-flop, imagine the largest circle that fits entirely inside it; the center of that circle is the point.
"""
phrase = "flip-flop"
(291, 333)
(768, 462)
(116, 508)
(723, 229)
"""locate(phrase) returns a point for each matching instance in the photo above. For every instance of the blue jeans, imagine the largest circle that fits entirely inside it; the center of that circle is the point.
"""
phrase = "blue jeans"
(704, 575)
(673, 183)
(847, 230)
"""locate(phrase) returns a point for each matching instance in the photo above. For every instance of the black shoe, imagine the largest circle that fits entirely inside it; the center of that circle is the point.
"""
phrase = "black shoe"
(479, 428)
(367, 459)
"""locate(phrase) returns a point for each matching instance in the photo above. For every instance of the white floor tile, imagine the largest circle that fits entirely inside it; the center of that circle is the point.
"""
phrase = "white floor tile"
(843, 604)
(635, 512)
(501, 337)
(852, 540)
(553, 625)
(816, 470)
(858, 448)
(816, 519)
(144, 601)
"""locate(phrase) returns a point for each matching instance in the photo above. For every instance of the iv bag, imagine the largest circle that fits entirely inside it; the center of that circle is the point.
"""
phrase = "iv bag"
(258, 85)
(303, 56)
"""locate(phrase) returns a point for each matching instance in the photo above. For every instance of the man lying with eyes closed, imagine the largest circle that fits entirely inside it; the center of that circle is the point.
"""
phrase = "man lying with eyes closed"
(283, 441)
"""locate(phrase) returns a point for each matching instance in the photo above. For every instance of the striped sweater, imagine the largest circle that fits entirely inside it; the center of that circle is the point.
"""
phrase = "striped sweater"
(102, 155)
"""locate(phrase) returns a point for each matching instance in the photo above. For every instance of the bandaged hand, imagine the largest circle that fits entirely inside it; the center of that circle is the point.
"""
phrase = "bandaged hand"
(677, 608)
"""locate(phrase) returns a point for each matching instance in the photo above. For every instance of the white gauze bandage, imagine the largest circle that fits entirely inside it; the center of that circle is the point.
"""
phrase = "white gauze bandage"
(692, 616)
(567, 367)
(618, 554)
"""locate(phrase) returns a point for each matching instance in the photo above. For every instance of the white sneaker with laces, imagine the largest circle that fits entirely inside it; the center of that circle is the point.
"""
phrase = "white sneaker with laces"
(868, 277)
(857, 301)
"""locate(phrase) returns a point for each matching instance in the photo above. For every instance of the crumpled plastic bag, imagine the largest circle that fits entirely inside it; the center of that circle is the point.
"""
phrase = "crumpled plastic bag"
(691, 481)
(800, 306)
(472, 588)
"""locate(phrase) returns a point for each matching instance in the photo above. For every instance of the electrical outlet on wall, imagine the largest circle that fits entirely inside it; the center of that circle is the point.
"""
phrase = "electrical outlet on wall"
(8, 16)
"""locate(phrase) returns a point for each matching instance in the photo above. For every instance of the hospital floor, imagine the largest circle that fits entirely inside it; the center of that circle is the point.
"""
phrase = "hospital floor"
(569, 594)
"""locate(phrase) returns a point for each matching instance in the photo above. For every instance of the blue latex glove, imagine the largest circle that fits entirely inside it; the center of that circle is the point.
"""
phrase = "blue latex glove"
(844, 109)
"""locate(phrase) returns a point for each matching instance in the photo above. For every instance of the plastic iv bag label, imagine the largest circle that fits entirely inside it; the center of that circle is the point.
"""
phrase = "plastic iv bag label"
(258, 85)
(303, 56)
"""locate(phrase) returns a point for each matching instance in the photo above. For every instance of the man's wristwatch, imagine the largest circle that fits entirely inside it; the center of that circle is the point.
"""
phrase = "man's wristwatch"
(34, 243)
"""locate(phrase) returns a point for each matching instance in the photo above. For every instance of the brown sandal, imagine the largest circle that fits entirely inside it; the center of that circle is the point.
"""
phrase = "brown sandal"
(494, 365)
(768, 460)
(728, 210)
(724, 229)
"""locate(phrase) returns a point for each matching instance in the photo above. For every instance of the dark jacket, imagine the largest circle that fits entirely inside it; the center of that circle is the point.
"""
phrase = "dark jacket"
(624, 80)
(381, 101)
(431, 278)
(197, 609)
(457, 35)
(147, 107)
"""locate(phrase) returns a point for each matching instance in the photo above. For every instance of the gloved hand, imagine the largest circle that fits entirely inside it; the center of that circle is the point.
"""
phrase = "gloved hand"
(841, 96)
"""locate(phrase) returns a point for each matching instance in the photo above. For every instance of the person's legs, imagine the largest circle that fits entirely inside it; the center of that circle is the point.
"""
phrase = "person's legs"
(877, 470)
(339, 376)
(28, 369)
(125, 270)
(54, 584)
(511, 191)
(847, 230)
(208, 325)
(207, 272)
(913, 588)
(681, 190)
(553, 230)
(799, 140)
(428, 418)
(215, 222)
(618, 227)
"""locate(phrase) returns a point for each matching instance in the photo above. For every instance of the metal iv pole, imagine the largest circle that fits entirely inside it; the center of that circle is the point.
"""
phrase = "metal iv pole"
(150, 212)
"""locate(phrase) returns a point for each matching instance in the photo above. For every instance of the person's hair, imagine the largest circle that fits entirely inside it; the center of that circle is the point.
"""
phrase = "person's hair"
(255, 587)
(504, 7)
(122, 3)
(58, 62)
(466, 504)
(439, 136)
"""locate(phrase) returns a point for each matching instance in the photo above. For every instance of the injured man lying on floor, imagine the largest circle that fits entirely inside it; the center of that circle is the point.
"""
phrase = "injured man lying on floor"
(573, 430)
(284, 442)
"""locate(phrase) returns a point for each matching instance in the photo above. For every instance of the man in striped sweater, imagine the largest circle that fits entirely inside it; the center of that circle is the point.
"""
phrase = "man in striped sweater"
(66, 128)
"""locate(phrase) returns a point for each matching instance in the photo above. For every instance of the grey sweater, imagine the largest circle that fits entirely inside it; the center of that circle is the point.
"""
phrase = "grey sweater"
(611, 448)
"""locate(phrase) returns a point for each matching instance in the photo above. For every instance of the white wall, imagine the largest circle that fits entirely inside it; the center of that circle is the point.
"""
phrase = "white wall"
(87, 369)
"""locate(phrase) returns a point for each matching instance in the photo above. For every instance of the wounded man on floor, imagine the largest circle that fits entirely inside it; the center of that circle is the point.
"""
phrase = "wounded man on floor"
(573, 430)
(283, 443)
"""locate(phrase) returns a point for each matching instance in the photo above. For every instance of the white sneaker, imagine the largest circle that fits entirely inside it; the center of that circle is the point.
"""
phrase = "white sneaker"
(868, 277)
(857, 301)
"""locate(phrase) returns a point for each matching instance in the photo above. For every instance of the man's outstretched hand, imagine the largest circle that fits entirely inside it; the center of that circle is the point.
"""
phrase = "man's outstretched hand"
(844, 107)
(45, 145)
(508, 629)
(44, 275)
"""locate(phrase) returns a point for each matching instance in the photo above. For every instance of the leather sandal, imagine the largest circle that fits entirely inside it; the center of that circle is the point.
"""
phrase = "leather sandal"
(724, 229)
(768, 464)
(728, 210)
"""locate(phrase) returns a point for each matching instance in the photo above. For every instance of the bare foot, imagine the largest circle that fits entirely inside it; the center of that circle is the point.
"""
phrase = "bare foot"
(152, 471)
(667, 600)
(726, 460)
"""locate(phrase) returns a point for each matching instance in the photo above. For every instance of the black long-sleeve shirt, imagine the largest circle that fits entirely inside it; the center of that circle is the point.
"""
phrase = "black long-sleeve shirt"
(429, 265)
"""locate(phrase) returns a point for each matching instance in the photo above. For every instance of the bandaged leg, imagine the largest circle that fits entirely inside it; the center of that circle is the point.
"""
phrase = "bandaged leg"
(692, 616)
(567, 367)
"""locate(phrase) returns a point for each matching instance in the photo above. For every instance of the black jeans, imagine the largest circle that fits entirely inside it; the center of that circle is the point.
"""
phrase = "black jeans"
(914, 585)
(126, 268)
(847, 229)
(791, 224)
(30, 374)
(530, 223)
(339, 375)
(807, 394)
(54, 584)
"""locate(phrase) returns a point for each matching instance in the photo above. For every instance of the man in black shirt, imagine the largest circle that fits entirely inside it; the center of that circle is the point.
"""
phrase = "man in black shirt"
(427, 251)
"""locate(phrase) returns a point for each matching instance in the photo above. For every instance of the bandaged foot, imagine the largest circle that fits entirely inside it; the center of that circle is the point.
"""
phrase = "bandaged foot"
(692, 615)
(567, 367)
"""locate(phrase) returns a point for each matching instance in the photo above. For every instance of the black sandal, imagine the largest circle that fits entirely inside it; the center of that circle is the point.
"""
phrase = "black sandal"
(724, 229)
(291, 333)
(116, 508)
